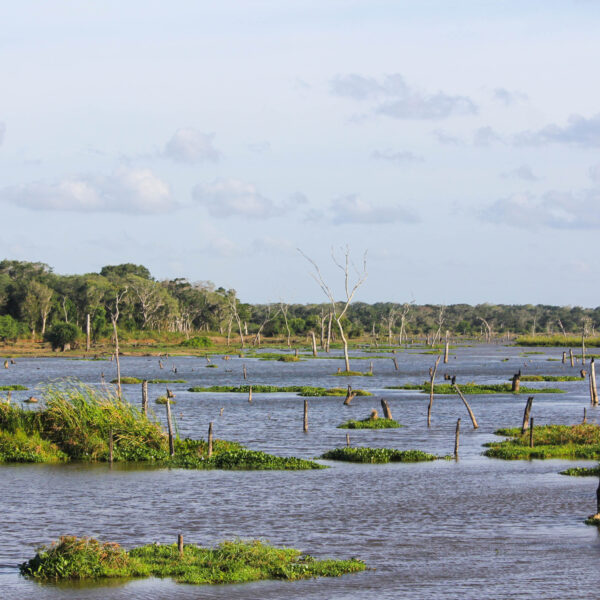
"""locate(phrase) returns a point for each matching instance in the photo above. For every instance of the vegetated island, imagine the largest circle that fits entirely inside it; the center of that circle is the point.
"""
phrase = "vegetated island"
(549, 441)
(12, 388)
(551, 378)
(79, 423)
(73, 558)
(301, 390)
(378, 455)
(370, 423)
(473, 388)
(133, 380)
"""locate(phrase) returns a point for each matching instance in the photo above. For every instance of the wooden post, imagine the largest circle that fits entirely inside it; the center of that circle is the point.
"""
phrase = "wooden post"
(584, 415)
(446, 348)
(314, 343)
(583, 347)
(387, 413)
(348, 440)
(456, 439)
(87, 333)
(371, 367)
(473, 419)
(350, 395)
(571, 357)
(145, 397)
(221, 411)
(170, 427)
(180, 545)
(564, 358)
(305, 416)
(395, 363)
(250, 395)
(296, 352)
(598, 499)
(432, 372)
(593, 388)
(531, 432)
(516, 382)
(526, 414)
(110, 446)
(245, 371)
(210, 439)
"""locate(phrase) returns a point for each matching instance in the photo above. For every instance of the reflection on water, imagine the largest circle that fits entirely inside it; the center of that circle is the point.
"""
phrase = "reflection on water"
(478, 528)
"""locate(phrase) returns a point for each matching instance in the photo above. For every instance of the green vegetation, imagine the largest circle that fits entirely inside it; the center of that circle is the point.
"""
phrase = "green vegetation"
(62, 335)
(582, 471)
(231, 562)
(198, 342)
(76, 424)
(549, 441)
(12, 388)
(551, 378)
(132, 380)
(473, 388)
(301, 390)
(556, 340)
(9, 328)
(377, 455)
(370, 423)
(353, 374)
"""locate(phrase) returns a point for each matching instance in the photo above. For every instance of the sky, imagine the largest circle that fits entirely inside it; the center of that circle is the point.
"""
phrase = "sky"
(456, 142)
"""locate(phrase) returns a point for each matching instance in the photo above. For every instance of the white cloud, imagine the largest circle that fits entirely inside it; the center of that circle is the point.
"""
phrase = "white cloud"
(191, 146)
(353, 209)
(558, 210)
(126, 190)
(231, 198)
(399, 158)
(578, 131)
(272, 246)
(508, 97)
(523, 172)
(394, 98)
(485, 136)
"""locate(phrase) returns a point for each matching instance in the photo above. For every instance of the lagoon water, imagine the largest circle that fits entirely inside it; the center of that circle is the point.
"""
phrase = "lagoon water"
(476, 528)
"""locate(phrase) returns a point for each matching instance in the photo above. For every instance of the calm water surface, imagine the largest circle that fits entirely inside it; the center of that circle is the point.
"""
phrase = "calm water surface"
(477, 528)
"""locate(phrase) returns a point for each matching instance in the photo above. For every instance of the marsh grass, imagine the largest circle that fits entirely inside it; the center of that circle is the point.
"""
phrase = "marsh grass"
(377, 455)
(370, 423)
(301, 390)
(582, 471)
(551, 378)
(133, 380)
(353, 374)
(231, 562)
(473, 388)
(12, 388)
(556, 340)
(549, 441)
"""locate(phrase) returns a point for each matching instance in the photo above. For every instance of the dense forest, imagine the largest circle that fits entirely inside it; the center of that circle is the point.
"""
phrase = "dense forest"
(33, 299)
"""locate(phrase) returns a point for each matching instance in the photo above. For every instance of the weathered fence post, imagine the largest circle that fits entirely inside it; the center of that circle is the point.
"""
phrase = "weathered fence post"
(564, 358)
(110, 445)
(593, 388)
(250, 394)
(348, 440)
(473, 419)
(571, 357)
(145, 397)
(245, 372)
(446, 347)
(180, 545)
(387, 413)
(350, 395)
(305, 416)
(170, 427)
(456, 439)
(432, 372)
(531, 432)
(526, 414)
(210, 439)
(584, 415)
(516, 382)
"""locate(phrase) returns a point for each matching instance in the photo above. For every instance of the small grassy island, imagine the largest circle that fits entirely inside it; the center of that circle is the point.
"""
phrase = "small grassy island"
(473, 388)
(549, 441)
(378, 455)
(73, 558)
(301, 390)
(371, 423)
(77, 423)
(132, 380)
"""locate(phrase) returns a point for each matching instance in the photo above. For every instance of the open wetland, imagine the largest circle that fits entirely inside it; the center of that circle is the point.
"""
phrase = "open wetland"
(476, 527)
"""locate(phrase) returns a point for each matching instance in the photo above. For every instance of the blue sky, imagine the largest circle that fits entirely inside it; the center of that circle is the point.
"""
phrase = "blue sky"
(456, 141)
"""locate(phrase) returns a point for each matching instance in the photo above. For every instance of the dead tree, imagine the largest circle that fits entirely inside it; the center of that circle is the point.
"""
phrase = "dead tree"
(440, 322)
(387, 413)
(283, 309)
(516, 382)
(432, 372)
(446, 347)
(488, 329)
(350, 395)
(473, 419)
(114, 317)
(232, 303)
(526, 414)
(268, 317)
(350, 290)
(593, 389)
(404, 319)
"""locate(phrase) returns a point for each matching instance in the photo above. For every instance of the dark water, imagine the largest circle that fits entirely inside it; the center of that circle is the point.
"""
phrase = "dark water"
(479, 528)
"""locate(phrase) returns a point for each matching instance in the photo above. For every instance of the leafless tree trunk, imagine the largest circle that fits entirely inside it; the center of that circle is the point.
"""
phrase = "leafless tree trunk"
(329, 332)
(473, 419)
(432, 372)
(350, 291)
(87, 332)
(488, 329)
(114, 317)
(440, 323)
(283, 308)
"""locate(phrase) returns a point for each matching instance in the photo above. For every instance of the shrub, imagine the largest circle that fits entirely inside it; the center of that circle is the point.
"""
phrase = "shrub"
(9, 328)
(198, 342)
(62, 335)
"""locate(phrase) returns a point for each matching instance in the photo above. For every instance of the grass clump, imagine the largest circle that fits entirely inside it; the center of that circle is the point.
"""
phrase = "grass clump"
(353, 374)
(473, 388)
(301, 390)
(377, 455)
(132, 380)
(18, 447)
(582, 471)
(12, 388)
(551, 378)
(370, 423)
(230, 562)
(198, 342)
(549, 441)
(556, 340)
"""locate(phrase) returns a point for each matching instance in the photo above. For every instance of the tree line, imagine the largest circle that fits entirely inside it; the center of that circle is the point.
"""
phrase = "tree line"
(33, 299)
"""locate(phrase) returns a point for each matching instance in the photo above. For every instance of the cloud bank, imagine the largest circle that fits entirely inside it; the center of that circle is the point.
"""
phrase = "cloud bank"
(191, 146)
